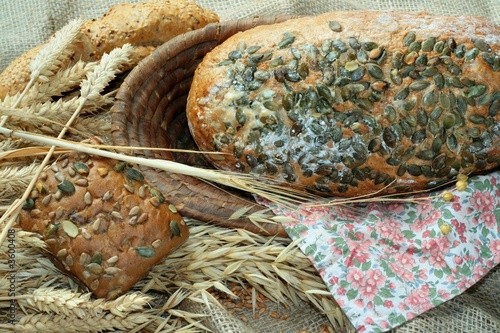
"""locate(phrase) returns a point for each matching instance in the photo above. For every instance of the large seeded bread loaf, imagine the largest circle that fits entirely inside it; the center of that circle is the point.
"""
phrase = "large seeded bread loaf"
(350, 103)
(103, 224)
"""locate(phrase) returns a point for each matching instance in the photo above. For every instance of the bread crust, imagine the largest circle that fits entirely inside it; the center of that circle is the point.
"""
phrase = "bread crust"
(144, 25)
(335, 154)
(108, 232)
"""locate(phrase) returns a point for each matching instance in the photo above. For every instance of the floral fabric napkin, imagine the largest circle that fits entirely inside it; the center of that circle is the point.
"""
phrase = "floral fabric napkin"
(386, 263)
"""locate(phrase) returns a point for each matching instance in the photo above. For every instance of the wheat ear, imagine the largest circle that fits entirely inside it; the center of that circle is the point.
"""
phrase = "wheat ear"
(29, 239)
(62, 81)
(43, 65)
(101, 323)
(13, 180)
(50, 57)
(60, 301)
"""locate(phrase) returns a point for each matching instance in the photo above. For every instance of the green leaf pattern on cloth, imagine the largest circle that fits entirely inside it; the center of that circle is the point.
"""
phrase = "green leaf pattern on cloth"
(386, 263)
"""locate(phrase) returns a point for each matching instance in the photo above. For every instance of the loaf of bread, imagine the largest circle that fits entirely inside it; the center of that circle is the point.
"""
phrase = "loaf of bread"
(351, 103)
(103, 225)
(144, 25)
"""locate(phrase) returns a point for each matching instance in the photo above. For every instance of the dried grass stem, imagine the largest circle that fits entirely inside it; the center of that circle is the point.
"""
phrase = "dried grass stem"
(243, 182)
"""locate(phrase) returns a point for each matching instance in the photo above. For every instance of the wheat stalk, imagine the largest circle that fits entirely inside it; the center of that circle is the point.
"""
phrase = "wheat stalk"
(95, 318)
(28, 239)
(43, 90)
(49, 118)
(126, 304)
(54, 109)
(35, 271)
(50, 57)
(62, 81)
(91, 88)
(13, 180)
(65, 302)
(211, 258)
(103, 322)
(109, 65)
(9, 144)
(94, 126)
(58, 301)
(245, 182)
(22, 118)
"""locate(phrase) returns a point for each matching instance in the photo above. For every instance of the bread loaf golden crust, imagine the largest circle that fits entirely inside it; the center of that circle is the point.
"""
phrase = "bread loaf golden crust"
(103, 224)
(144, 25)
(348, 103)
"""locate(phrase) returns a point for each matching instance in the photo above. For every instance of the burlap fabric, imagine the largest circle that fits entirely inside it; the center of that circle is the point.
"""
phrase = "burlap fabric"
(27, 23)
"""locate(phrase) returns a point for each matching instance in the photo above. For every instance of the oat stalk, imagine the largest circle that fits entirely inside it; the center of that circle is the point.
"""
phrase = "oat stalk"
(213, 257)
(217, 256)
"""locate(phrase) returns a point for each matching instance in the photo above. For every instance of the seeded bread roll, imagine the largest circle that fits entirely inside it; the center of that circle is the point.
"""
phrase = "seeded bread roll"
(102, 223)
(144, 25)
(351, 103)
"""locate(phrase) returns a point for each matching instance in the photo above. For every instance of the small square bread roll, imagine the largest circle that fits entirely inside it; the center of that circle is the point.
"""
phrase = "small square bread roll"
(103, 224)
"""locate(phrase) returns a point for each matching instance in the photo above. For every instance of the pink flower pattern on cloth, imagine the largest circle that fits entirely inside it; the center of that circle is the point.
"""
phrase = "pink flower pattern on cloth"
(386, 263)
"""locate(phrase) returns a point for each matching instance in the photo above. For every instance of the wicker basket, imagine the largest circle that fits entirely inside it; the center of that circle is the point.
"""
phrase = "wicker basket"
(150, 112)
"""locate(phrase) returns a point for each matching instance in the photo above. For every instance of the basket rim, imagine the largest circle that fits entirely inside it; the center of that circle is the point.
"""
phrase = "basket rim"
(215, 32)
(136, 85)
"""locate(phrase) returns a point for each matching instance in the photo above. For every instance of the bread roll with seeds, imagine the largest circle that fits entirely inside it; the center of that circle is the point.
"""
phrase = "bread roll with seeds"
(102, 223)
(144, 25)
(350, 103)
